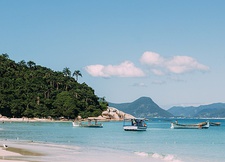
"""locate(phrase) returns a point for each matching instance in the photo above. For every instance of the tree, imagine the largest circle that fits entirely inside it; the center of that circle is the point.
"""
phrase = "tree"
(77, 73)
(36, 91)
(5, 55)
(66, 71)
(65, 105)
(31, 64)
(22, 63)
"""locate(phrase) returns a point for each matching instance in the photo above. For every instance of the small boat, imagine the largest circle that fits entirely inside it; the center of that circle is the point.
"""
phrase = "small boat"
(135, 124)
(203, 125)
(214, 123)
(91, 122)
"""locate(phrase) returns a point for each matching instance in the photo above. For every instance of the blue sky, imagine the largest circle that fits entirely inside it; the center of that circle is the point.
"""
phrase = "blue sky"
(172, 51)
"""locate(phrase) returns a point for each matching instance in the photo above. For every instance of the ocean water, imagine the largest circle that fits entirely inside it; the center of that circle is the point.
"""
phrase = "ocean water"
(63, 142)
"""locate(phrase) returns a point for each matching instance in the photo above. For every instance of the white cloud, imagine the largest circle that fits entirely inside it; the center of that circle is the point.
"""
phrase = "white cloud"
(125, 69)
(152, 58)
(158, 65)
(182, 64)
(177, 64)
(96, 70)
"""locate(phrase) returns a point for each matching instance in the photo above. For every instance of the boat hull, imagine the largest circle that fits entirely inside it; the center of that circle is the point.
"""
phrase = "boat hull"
(134, 128)
(135, 124)
(92, 125)
(75, 124)
(204, 125)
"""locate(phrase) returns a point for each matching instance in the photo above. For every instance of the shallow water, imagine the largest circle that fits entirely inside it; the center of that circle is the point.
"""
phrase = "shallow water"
(158, 143)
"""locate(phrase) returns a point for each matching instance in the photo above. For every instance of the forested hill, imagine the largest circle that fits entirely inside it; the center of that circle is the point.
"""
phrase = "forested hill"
(30, 90)
(215, 110)
(142, 107)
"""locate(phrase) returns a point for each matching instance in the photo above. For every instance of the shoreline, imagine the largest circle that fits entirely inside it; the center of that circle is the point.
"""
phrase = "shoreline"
(24, 151)
(109, 146)
(5, 119)
(25, 119)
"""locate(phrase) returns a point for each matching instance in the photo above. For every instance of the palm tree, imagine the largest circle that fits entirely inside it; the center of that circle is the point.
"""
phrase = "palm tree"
(66, 71)
(77, 73)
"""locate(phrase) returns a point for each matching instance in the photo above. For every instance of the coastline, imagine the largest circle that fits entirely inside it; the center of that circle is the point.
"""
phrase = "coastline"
(23, 151)
(5, 119)
(33, 149)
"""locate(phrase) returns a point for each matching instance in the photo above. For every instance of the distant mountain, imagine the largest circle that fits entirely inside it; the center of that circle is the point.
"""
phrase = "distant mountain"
(216, 110)
(142, 107)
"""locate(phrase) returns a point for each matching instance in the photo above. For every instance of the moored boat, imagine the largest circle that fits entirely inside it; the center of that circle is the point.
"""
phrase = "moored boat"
(135, 124)
(203, 125)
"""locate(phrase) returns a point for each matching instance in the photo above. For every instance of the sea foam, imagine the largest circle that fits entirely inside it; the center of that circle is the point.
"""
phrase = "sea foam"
(168, 157)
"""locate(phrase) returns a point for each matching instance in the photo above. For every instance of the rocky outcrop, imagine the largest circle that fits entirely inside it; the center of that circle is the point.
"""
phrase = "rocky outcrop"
(114, 114)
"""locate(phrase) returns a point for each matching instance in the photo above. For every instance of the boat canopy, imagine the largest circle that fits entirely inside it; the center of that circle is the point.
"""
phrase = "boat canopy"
(138, 119)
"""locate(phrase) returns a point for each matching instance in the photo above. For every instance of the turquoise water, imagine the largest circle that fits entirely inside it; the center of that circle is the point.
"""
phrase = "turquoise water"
(159, 142)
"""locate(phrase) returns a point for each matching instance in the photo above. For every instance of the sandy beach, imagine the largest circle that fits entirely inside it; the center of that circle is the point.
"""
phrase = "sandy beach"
(5, 119)
(18, 151)
(6, 156)
(30, 152)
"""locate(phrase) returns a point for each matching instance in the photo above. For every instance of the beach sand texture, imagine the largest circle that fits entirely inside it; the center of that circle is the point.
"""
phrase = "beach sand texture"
(36, 152)
(16, 153)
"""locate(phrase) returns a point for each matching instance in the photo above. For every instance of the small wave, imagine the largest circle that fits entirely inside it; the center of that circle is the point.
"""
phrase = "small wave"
(168, 157)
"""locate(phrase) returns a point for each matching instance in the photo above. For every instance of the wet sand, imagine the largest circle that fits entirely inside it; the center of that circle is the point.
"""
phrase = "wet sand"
(16, 153)
(24, 151)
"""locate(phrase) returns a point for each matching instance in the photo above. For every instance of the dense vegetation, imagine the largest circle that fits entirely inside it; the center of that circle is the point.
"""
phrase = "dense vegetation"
(30, 90)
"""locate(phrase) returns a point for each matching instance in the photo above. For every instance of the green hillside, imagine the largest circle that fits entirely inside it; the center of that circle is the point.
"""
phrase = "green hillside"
(142, 107)
(30, 90)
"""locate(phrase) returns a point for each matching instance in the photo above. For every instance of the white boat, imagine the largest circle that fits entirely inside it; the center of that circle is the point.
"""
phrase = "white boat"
(91, 122)
(135, 124)
(203, 125)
